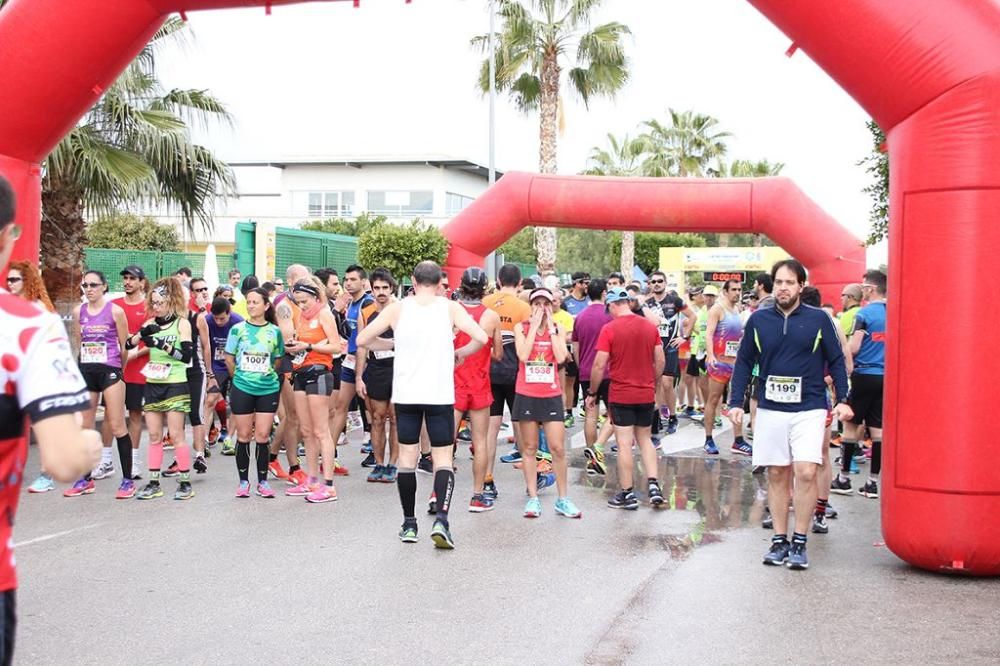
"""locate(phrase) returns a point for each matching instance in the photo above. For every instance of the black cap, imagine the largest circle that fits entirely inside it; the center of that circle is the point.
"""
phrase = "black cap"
(474, 277)
(134, 271)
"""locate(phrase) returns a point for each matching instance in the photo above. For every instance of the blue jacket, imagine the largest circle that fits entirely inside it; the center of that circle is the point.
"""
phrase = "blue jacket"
(804, 344)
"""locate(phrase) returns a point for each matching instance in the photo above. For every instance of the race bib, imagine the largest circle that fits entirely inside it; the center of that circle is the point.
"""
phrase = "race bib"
(539, 372)
(219, 354)
(349, 362)
(94, 352)
(384, 354)
(732, 347)
(156, 371)
(783, 389)
(299, 357)
(256, 362)
(664, 330)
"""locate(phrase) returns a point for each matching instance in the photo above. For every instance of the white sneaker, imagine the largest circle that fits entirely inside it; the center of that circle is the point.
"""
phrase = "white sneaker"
(103, 471)
(343, 439)
(136, 470)
(353, 420)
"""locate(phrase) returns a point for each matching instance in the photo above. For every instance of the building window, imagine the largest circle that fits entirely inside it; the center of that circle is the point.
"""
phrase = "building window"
(454, 203)
(324, 205)
(401, 203)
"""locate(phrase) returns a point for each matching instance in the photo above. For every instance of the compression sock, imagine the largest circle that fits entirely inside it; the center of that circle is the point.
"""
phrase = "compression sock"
(406, 482)
(220, 411)
(125, 455)
(876, 459)
(847, 449)
(444, 484)
(155, 455)
(262, 461)
(243, 460)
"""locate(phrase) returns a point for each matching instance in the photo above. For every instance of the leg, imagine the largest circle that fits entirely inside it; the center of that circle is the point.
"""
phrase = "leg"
(624, 436)
(318, 407)
(555, 433)
(527, 443)
(263, 423)
(480, 425)
(646, 451)
(380, 412)
(805, 495)
(154, 423)
(114, 418)
(175, 424)
(779, 479)
(344, 397)
(306, 428)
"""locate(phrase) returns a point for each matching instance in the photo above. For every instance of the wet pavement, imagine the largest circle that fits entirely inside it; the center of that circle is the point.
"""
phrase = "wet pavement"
(220, 580)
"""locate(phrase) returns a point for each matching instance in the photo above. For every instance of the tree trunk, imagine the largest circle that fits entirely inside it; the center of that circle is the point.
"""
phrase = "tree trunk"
(628, 254)
(757, 240)
(545, 237)
(63, 238)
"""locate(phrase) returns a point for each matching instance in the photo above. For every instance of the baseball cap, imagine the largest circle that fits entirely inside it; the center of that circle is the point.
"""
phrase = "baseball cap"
(134, 271)
(616, 294)
(694, 291)
(541, 292)
(711, 290)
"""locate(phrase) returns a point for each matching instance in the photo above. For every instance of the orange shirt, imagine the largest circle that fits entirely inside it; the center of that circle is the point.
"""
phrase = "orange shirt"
(310, 331)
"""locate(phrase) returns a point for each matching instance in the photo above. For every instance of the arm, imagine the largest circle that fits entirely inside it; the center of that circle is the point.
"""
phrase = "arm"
(284, 315)
(386, 320)
(688, 324)
(597, 374)
(492, 321)
(713, 323)
(359, 372)
(559, 345)
(76, 323)
(659, 360)
(185, 351)
(66, 450)
(524, 342)
(848, 354)
(206, 345)
(121, 327)
(834, 356)
(854, 345)
(746, 357)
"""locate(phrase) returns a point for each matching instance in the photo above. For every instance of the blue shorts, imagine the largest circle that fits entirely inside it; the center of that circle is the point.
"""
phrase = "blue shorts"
(347, 375)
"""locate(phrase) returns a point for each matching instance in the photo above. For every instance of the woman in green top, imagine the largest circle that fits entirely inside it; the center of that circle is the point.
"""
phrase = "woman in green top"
(253, 348)
(168, 336)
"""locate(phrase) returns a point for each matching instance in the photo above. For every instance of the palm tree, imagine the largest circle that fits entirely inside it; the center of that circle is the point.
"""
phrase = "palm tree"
(535, 43)
(132, 148)
(621, 158)
(748, 169)
(689, 144)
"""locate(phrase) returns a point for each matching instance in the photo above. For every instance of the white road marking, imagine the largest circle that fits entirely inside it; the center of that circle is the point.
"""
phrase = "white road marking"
(55, 535)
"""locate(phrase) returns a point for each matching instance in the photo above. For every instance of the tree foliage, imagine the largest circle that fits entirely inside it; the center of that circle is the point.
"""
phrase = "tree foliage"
(401, 247)
(520, 247)
(125, 231)
(877, 166)
(648, 244)
(356, 227)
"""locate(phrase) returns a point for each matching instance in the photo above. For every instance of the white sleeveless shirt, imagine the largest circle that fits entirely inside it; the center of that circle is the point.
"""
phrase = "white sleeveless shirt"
(424, 371)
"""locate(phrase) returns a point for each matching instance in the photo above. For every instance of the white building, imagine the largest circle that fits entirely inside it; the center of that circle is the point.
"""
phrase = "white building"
(287, 192)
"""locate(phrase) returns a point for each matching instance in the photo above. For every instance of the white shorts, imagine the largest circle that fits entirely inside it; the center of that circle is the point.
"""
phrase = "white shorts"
(781, 438)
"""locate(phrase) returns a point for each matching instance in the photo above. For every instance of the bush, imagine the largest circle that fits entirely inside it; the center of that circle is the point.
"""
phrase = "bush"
(356, 227)
(125, 231)
(401, 247)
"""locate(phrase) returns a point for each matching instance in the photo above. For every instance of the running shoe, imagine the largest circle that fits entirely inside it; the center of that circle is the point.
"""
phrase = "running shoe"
(168, 445)
(698, 417)
(656, 442)
(543, 456)
(655, 495)
(366, 446)
(465, 434)
(797, 557)
(835, 439)
(831, 513)
(184, 491)
(767, 520)
(126, 490)
(228, 446)
(42, 484)
(277, 471)
(869, 490)
(742, 448)
(151, 490)
(342, 440)
(297, 478)
(389, 474)
(213, 435)
(819, 524)
(265, 490)
(710, 447)
(408, 533)
(512, 457)
(243, 490)
(301, 490)
(322, 493)
(778, 554)
(717, 423)
(340, 470)
(624, 500)
(375, 476)
(565, 507)
(689, 412)
(545, 481)
(841, 487)
(103, 471)
(671, 425)
(490, 490)
(223, 436)
(81, 487)
(208, 450)
(199, 464)
(369, 461)
(595, 459)
(532, 508)
(432, 504)
(570, 420)
(425, 465)
(543, 467)
(480, 504)
(441, 536)
(171, 471)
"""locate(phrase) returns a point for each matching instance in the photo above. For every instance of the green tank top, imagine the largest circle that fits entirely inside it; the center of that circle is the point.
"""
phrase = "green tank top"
(163, 368)
(698, 347)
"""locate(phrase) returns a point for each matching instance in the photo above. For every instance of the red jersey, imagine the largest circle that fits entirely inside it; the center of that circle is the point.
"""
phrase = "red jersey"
(629, 342)
(539, 376)
(135, 315)
(40, 379)
(473, 375)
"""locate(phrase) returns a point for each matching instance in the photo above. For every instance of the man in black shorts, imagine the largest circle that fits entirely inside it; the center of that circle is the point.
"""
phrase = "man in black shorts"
(669, 309)
(374, 385)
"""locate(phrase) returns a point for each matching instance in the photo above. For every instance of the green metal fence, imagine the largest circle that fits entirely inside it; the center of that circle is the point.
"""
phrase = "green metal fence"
(313, 249)
(155, 264)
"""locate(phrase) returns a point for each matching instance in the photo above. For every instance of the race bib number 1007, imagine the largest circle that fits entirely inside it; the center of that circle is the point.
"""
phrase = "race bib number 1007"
(257, 362)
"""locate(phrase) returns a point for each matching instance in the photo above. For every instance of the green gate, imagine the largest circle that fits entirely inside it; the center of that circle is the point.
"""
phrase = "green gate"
(154, 264)
(313, 249)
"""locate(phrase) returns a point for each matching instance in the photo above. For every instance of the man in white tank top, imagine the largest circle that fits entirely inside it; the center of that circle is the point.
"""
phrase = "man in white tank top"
(423, 387)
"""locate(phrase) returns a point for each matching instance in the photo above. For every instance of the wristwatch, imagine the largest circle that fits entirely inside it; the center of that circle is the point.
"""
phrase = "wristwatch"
(309, 347)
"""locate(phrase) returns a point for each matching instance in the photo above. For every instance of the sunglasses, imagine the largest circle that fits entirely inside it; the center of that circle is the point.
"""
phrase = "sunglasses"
(656, 282)
(201, 291)
(279, 284)
(90, 285)
(12, 280)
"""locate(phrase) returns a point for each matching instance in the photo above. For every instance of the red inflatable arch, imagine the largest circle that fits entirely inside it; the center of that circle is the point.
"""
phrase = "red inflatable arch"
(928, 72)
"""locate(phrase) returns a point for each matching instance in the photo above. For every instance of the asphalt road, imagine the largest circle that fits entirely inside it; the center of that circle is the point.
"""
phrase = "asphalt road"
(217, 580)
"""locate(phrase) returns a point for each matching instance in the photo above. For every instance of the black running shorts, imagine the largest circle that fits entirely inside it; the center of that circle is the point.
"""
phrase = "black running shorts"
(440, 420)
(640, 416)
(865, 399)
(242, 403)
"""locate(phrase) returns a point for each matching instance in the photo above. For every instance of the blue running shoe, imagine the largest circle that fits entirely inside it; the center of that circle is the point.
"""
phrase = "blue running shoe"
(512, 457)
(710, 447)
(490, 490)
(389, 473)
(797, 557)
(546, 480)
(778, 554)
(532, 508)
(742, 448)
(854, 466)
(366, 446)
(671, 425)
(375, 476)
(565, 507)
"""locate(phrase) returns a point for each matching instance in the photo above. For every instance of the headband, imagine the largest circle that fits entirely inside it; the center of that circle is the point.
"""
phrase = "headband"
(306, 289)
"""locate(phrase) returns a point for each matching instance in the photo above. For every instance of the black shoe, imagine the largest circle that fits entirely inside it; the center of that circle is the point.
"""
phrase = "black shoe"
(171, 471)
(655, 495)
(200, 466)
(425, 465)
(870, 490)
(840, 487)
(819, 524)
(767, 522)
(624, 500)
(369, 461)
(441, 536)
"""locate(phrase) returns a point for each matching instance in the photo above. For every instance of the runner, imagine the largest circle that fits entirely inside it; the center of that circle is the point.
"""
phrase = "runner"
(569, 372)
(43, 385)
(577, 300)
(167, 334)
(795, 345)
(214, 329)
(700, 302)
(423, 388)
(472, 380)
(850, 300)
(134, 305)
(538, 402)
(615, 280)
(252, 352)
(586, 331)
(316, 340)
(103, 329)
(374, 385)
(723, 332)
(670, 309)
(287, 433)
(197, 304)
(630, 349)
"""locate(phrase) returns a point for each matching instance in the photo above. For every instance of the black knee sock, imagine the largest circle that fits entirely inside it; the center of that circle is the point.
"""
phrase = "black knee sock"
(365, 425)
(406, 481)
(876, 457)
(444, 484)
(243, 460)
(263, 449)
(847, 448)
(125, 454)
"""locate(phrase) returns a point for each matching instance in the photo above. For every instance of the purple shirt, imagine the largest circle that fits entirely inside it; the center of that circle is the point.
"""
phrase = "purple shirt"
(586, 330)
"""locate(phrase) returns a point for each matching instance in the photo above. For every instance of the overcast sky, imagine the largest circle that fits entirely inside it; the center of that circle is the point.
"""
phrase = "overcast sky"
(396, 79)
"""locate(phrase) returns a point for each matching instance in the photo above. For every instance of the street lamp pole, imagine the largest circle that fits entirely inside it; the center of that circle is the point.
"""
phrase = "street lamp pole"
(491, 267)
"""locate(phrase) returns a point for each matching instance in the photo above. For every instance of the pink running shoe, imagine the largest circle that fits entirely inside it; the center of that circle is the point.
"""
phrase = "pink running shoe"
(264, 490)
(81, 487)
(300, 490)
(244, 489)
(322, 494)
